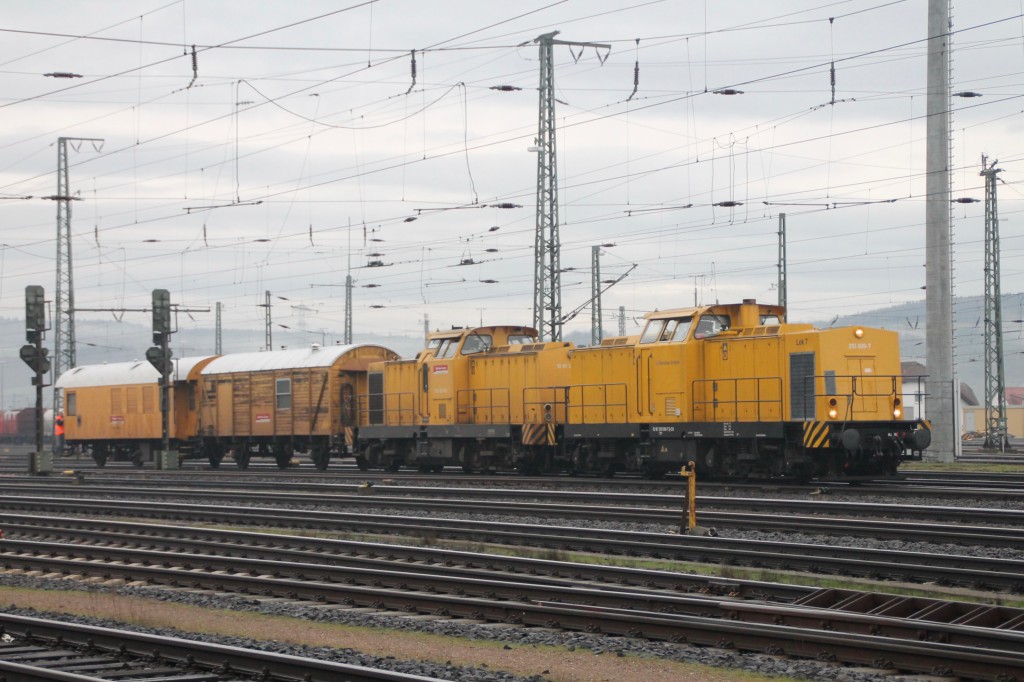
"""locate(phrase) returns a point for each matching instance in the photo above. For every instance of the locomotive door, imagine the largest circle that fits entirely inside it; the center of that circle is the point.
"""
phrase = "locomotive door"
(866, 386)
(644, 399)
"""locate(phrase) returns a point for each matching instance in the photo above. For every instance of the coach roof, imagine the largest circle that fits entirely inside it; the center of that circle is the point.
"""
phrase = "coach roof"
(125, 373)
(297, 358)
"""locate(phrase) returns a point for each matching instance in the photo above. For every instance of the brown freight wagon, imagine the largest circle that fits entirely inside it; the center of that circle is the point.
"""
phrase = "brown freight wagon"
(278, 403)
(113, 410)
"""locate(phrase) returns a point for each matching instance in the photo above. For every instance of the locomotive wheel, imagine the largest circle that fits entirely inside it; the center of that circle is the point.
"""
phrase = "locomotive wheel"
(362, 464)
(393, 466)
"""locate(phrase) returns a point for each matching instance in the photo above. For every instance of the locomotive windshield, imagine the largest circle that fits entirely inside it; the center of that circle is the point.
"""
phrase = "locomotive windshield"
(446, 348)
(666, 330)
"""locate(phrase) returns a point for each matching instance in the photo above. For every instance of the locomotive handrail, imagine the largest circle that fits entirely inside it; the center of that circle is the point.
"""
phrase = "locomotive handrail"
(558, 399)
(404, 409)
(581, 404)
(859, 387)
(461, 403)
(761, 404)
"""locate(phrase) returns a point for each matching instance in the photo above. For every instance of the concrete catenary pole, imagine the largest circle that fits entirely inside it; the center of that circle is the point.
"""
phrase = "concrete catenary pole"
(938, 266)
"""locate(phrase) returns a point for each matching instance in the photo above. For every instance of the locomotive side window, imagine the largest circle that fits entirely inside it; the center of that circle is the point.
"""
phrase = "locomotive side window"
(284, 394)
(519, 339)
(476, 343)
(71, 400)
(709, 325)
(769, 320)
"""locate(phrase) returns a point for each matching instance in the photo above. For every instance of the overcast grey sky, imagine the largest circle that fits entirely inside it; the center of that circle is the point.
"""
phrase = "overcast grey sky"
(301, 144)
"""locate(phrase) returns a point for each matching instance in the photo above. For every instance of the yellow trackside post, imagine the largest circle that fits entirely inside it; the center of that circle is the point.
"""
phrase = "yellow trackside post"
(690, 472)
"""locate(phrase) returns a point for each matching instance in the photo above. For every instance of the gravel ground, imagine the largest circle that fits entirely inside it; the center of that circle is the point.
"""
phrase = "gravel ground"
(614, 646)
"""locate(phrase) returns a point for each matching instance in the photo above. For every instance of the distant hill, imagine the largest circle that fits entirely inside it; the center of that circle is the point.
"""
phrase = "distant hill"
(969, 335)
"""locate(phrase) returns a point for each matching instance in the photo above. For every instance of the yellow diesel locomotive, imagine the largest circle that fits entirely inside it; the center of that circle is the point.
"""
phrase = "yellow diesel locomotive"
(732, 388)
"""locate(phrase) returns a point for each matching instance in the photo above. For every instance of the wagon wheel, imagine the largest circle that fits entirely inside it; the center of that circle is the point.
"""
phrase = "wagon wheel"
(137, 459)
(283, 459)
(214, 456)
(242, 459)
(321, 458)
(99, 455)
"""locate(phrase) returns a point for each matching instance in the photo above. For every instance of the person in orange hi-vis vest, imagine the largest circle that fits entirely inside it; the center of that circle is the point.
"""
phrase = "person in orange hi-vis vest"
(58, 432)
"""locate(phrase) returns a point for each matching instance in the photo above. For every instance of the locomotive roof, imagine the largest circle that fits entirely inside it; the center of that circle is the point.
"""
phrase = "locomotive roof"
(116, 373)
(296, 358)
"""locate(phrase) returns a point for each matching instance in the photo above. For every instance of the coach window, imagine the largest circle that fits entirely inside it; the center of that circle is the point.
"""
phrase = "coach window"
(284, 394)
(72, 404)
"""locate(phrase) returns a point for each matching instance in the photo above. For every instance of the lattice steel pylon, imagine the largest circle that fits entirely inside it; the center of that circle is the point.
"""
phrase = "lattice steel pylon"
(348, 309)
(547, 274)
(995, 384)
(64, 305)
(595, 290)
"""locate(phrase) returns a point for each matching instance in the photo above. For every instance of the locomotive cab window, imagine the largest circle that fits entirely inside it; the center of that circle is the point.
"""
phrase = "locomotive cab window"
(476, 343)
(666, 330)
(447, 348)
(284, 394)
(519, 339)
(709, 325)
(770, 320)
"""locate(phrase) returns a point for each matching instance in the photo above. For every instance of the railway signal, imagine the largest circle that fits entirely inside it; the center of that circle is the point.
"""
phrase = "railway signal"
(37, 358)
(160, 357)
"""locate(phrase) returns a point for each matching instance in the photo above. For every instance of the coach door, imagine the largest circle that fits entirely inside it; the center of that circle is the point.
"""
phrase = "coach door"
(225, 408)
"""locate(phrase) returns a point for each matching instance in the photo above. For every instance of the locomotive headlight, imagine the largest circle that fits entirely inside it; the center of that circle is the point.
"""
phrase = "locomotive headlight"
(897, 408)
(833, 411)
(858, 332)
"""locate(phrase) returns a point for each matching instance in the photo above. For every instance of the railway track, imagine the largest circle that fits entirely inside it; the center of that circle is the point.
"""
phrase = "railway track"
(909, 634)
(992, 527)
(963, 570)
(43, 649)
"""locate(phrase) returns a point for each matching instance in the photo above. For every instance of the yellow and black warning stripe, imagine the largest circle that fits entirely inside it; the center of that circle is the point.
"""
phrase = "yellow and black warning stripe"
(538, 434)
(816, 434)
(350, 436)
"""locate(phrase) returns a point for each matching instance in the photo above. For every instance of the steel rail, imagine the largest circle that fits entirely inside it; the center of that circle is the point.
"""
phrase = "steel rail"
(254, 662)
(977, 572)
(915, 644)
(1011, 535)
